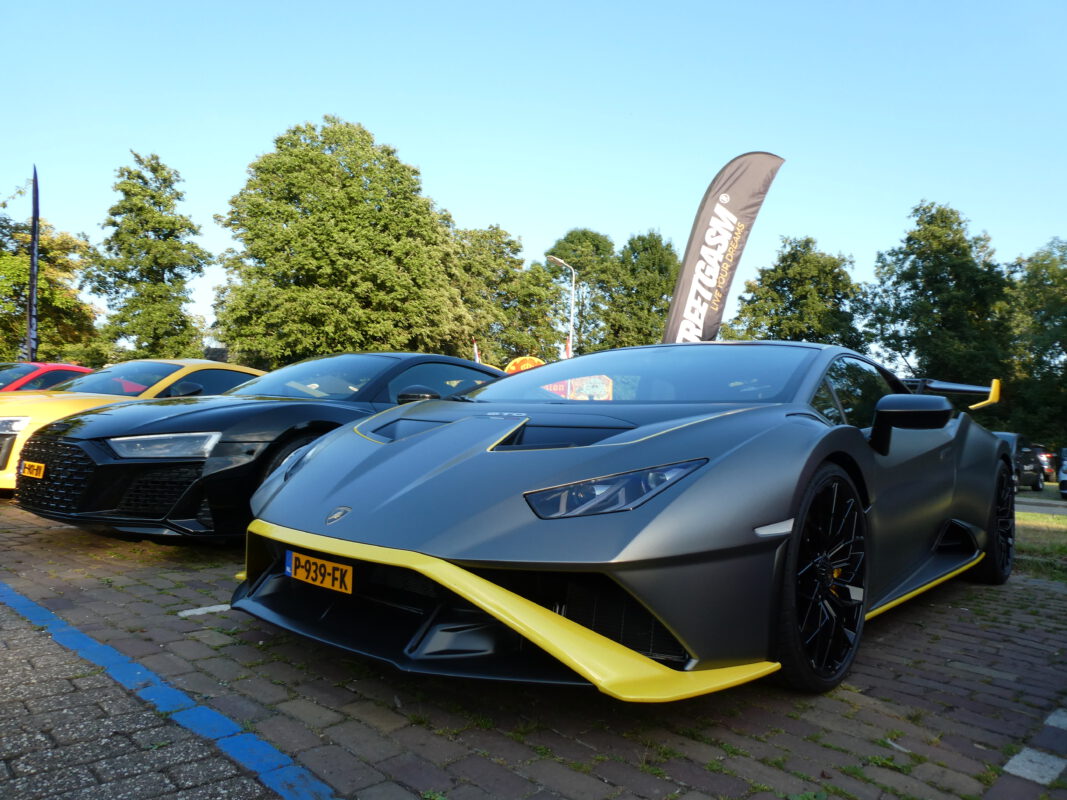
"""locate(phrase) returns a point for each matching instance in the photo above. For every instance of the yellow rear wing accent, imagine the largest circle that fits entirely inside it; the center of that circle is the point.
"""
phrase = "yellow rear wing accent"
(613, 668)
(994, 396)
(929, 385)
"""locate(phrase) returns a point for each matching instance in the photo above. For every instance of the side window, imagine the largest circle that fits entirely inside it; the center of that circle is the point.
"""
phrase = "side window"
(826, 404)
(858, 386)
(214, 381)
(445, 379)
(51, 378)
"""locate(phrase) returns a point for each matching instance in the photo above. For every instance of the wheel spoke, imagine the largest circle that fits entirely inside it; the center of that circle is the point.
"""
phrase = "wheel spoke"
(830, 578)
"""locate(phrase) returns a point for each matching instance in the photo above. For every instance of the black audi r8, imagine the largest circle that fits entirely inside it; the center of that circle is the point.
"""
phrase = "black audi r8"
(610, 520)
(188, 465)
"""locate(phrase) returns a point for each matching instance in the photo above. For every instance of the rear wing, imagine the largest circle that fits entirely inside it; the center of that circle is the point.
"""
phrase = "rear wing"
(929, 385)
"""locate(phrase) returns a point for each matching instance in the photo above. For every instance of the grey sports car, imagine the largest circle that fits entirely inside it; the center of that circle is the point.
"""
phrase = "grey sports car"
(660, 521)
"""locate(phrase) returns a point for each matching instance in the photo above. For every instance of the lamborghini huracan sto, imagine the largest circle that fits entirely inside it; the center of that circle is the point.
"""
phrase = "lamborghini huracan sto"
(659, 521)
(23, 412)
(188, 465)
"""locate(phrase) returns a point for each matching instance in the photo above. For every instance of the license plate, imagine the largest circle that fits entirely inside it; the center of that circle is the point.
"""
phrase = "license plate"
(31, 469)
(319, 572)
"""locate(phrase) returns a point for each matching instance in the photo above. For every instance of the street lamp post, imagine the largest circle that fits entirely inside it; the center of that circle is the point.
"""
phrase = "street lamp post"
(570, 328)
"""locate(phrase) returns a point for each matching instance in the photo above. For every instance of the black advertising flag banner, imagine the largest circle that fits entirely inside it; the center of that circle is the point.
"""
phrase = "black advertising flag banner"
(720, 231)
(30, 349)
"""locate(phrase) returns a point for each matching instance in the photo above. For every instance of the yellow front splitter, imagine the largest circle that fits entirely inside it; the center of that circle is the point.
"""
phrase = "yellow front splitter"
(612, 668)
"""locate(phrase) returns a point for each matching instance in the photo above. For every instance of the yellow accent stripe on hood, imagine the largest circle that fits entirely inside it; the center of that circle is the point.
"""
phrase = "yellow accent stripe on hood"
(614, 669)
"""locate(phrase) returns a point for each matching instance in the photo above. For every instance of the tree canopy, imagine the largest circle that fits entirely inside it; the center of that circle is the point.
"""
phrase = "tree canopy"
(1037, 384)
(621, 298)
(145, 263)
(335, 224)
(512, 309)
(938, 302)
(65, 322)
(807, 295)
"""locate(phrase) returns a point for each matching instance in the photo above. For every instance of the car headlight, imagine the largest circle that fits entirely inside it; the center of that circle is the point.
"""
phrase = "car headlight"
(165, 445)
(621, 492)
(13, 424)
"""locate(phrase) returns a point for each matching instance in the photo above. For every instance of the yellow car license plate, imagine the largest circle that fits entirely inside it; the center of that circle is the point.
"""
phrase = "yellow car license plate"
(319, 572)
(32, 469)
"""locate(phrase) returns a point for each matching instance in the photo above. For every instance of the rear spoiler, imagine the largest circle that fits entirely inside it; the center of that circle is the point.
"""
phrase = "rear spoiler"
(924, 385)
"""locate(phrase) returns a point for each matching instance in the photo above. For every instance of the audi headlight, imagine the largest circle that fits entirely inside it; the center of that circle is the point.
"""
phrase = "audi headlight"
(165, 445)
(13, 424)
(621, 492)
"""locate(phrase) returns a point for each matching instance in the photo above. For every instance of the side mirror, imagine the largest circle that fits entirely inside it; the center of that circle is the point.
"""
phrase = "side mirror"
(185, 389)
(416, 392)
(909, 411)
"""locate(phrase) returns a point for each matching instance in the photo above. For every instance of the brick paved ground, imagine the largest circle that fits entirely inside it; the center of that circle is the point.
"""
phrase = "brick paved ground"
(961, 693)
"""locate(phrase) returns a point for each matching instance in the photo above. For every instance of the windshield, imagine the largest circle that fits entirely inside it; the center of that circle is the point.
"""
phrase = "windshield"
(128, 379)
(327, 378)
(9, 373)
(726, 373)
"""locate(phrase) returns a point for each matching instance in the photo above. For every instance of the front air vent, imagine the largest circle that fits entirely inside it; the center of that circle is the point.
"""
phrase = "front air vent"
(153, 492)
(66, 474)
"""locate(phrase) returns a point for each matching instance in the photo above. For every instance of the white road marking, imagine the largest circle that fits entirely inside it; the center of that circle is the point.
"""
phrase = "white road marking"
(192, 612)
(1036, 766)
(1058, 718)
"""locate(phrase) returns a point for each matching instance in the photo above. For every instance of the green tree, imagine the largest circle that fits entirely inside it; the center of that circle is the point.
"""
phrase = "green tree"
(146, 262)
(64, 321)
(639, 296)
(807, 295)
(1036, 390)
(339, 250)
(512, 308)
(939, 300)
(592, 255)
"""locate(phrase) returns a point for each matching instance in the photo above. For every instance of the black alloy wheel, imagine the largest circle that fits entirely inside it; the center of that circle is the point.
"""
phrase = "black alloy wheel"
(996, 567)
(824, 584)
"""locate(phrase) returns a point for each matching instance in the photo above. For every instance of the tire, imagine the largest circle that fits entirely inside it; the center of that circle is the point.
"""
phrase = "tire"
(1039, 483)
(284, 450)
(1000, 542)
(824, 584)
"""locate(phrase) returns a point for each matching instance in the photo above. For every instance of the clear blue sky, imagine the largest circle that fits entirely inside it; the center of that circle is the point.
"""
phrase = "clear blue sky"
(542, 117)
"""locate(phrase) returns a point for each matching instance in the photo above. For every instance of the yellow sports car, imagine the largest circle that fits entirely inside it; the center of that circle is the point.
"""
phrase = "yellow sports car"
(22, 413)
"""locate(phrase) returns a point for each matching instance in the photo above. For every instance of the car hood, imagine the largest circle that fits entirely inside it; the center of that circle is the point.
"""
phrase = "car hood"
(448, 478)
(177, 415)
(44, 406)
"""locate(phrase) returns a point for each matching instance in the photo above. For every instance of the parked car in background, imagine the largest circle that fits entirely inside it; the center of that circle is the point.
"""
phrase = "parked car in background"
(1029, 472)
(22, 413)
(1048, 461)
(188, 465)
(1063, 474)
(27, 376)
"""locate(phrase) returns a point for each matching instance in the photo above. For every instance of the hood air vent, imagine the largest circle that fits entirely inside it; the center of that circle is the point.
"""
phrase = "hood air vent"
(554, 437)
(403, 428)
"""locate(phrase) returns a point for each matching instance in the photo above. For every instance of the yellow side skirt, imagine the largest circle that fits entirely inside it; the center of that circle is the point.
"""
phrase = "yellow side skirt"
(612, 668)
(906, 597)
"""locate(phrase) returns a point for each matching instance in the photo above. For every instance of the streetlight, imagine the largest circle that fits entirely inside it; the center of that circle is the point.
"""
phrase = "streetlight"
(570, 329)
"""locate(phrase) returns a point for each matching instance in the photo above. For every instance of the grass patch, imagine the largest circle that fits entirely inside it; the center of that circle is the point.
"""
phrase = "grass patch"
(1041, 545)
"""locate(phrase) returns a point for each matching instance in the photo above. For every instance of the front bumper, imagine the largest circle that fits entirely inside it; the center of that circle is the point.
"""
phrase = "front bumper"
(429, 615)
(84, 484)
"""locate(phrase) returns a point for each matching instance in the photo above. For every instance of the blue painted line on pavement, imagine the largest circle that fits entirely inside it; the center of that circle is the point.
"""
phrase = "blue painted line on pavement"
(271, 766)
